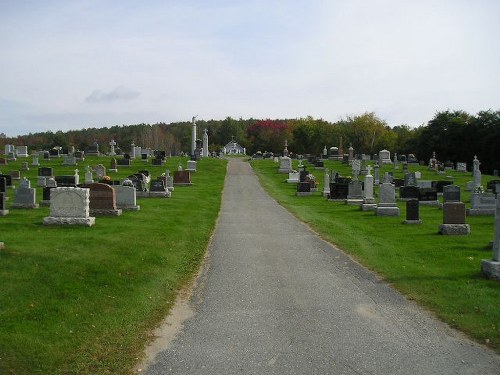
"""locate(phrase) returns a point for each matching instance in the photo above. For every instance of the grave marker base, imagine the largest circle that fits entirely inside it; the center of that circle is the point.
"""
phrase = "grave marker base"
(454, 229)
(412, 222)
(4, 212)
(85, 221)
(368, 206)
(480, 212)
(490, 269)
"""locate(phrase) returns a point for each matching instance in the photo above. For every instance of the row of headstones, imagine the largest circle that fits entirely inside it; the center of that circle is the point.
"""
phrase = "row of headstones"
(25, 196)
(454, 211)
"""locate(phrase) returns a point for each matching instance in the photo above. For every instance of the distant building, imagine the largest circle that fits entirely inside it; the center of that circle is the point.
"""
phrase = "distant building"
(233, 148)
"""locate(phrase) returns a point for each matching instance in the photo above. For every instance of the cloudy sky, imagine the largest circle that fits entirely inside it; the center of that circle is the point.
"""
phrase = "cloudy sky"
(93, 63)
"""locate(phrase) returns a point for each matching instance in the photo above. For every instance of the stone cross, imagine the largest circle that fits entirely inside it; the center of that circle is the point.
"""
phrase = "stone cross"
(112, 145)
(369, 169)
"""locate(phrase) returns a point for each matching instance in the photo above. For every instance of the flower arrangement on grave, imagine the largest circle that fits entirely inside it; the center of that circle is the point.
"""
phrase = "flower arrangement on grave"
(106, 178)
(311, 179)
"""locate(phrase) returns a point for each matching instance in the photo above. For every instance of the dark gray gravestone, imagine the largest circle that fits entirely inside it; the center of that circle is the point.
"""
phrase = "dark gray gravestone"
(439, 185)
(303, 187)
(451, 193)
(8, 179)
(124, 162)
(3, 185)
(158, 185)
(428, 196)
(412, 212)
(409, 192)
(45, 171)
(339, 191)
(398, 182)
(490, 185)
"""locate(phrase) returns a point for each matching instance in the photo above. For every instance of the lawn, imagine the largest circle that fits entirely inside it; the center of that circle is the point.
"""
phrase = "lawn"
(83, 300)
(442, 273)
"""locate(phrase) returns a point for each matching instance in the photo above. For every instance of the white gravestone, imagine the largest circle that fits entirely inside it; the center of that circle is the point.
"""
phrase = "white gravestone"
(69, 206)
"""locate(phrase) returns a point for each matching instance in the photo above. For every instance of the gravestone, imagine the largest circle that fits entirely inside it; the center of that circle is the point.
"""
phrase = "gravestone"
(384, 157)
(112, 145)
(35, 162)
(356, 168)
(3, 161)
(439, 185)
(169, 181)
(44, 173)
(326, 183)
(387, 200)
(409, 192)
(16, 175)
(354, 193)
(491, 267)
(3, 207)
(482, 204)
(51, 183)
(285, 165)
(428, 197)
(69, 206)
(182, 178)
(80, 156)
(191, 166)
(376, 177)
(451, 193)
(303, 189)
(368, 197)
(462, 167)
(125, 162)
(477, 177)
(89, 178)
(102, 200)
(126, 198)
(3, 185)
(69, 160)
(412, 212)
(158, 188)
(454, 219)
(25, 196)
(338, 191)
(93, 150)
(100, 171)
(410, 179)
(113, 167)
(25, 166)
(8, 180)
(293, 177)
(491, 184)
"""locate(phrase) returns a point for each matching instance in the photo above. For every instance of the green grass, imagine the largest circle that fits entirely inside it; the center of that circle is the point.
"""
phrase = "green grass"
(79, 300)
(442, 273)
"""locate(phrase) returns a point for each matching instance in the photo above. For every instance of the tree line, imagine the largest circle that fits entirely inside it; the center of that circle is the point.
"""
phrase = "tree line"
(453, 135)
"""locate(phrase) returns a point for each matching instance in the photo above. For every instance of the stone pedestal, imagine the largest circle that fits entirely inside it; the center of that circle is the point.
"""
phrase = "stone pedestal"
(412, 222)
(454, 229)
(368, 206)
(391, 210)
(491, 269)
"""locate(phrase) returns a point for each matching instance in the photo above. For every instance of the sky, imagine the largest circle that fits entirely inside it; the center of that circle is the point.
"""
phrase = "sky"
(69, 65)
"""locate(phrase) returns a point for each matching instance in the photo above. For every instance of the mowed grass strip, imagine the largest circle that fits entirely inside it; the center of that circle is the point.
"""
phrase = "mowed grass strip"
(77, 300)
(439, 272)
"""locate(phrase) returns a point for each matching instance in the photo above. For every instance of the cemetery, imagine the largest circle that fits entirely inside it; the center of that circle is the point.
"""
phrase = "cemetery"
(363, 208)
